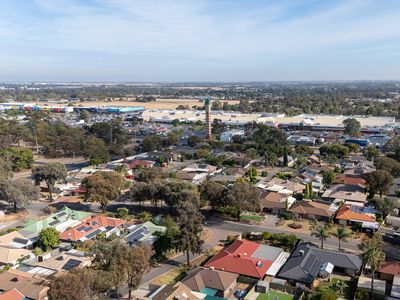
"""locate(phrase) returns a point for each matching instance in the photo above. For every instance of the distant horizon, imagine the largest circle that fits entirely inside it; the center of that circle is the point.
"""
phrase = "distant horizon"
(39, 82)
(199, 40)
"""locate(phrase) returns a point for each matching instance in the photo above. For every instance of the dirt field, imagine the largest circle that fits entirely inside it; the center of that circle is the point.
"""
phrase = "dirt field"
(158, 104)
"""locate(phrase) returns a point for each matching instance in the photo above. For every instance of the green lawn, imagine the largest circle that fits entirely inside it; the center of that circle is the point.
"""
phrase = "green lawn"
(272, 294)
(254, 218)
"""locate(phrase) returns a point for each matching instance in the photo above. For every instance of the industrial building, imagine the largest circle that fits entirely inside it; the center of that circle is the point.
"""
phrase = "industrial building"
(227, 136)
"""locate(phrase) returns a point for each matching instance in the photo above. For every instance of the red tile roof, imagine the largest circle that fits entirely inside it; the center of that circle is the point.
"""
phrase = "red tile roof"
(346, 213)
(96, 222)
(12, 294)
(237, 258)
(392, 268)
(351, 180)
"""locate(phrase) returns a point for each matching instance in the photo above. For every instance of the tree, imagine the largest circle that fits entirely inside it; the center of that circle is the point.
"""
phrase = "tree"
(242, 196)
(49, 238)
(285, 157)
(342, 234)
(338, 286)
(84, 115)
(102, 187)
(335, 150)
(218, 126)
(389, 164)
(351, 127)
(375, 258)
(251, 153)
(353, 148)
(145, 216)
(122, 213)
(371, 152)
(19, 158)
(189, 221)
(5, 168)
(379, 181)
(193, 141)
(303, 150)
(270, 158)
(386, 205)
(18, 192)
(322, 232)
(328, 177)
(213, 193)
(95, 149)
(49, 173)
(165, 240)
(77, 284)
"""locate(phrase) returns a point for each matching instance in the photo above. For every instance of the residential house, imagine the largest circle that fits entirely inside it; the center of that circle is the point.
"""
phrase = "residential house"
(143, 233)
(11, 256)
(206, 280)
(15, 239)
(348, 193)
(27, 284)
(177, 291)
(307, 263)
(290, 163)
(91, 227)
(351, 180)
(360, 170)
(306, 175)
(196, 173)
(390, 270)
(280, 185)
(46, 265)
(133, 164)
(352, 214)
(312, 210)
(221, 178)
(12, 294)
(61, 220)
(276, 203)
(248, 259)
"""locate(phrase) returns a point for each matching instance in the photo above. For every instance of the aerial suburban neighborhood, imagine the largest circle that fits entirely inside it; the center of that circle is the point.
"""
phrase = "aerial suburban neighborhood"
(199, 150)
(119, 201)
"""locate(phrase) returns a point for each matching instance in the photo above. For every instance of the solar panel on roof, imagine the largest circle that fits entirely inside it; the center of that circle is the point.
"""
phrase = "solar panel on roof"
(54, 223)
(70, 264)
(137, 235)
(93, 234)
(61, 214)
(108, 228)
(88, 228)
(81, 228)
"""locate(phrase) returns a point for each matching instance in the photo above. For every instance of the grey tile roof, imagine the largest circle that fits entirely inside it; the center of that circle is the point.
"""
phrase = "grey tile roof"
(306, 260)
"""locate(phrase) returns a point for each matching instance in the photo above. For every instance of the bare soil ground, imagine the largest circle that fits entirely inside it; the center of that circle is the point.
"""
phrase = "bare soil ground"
(158, 104)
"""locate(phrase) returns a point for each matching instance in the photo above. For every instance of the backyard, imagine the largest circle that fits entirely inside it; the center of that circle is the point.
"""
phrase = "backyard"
(274, 295)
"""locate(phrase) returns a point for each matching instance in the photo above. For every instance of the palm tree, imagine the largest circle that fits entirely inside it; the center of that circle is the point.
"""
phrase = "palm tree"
(342, 234)
(322, 232)
(375, 258)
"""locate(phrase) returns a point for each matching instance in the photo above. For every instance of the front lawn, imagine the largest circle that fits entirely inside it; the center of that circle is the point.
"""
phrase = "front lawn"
(251, 217)
(273, 295)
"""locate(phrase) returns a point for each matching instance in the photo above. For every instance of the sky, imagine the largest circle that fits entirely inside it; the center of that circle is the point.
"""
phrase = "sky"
(199, 40)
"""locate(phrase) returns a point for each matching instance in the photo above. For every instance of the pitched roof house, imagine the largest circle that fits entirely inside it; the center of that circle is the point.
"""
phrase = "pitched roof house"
(12, 294)
(351, 180)
(276, 203)
(307, 261)
(10, 256)
(245, 258)
(174, 292)
(91, 227)
(345, 192)
(142, 233)
(31, 287)
(348, 214)
(307, 209)
(390, 270)
(61, 220)
(200, 279)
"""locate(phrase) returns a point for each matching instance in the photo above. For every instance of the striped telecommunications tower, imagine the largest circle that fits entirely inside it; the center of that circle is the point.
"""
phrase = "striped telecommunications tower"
(207, 105)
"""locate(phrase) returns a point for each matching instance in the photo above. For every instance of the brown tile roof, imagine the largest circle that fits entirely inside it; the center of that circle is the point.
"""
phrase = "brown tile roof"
(312, 208)
(272, 200)
(12, 294)
(31, 287)
(392, 268)
(200, 278)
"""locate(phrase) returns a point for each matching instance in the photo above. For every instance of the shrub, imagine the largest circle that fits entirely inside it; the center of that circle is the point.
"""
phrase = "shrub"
(361, 295)
(287, 215)
(266, 235)
(264, 173)
(122, 213)
(328, 294)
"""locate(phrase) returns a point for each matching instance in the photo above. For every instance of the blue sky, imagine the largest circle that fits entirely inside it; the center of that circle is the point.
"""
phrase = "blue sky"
(199, 40)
